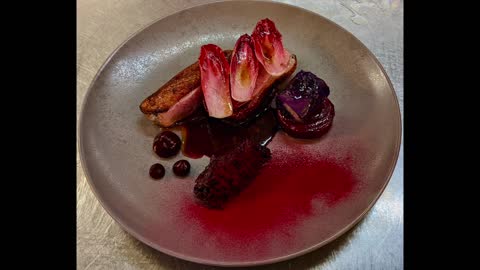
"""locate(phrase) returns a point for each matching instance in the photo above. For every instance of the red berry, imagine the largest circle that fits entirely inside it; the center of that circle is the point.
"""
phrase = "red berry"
(181, 168)
(167, 144)
(157, 171)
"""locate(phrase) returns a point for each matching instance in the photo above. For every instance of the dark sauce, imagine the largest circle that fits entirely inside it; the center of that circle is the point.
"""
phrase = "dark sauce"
(196, 139)
(210, 136)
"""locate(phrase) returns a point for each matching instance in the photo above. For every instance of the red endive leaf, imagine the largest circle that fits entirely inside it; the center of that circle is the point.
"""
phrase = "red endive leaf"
(243, 69)
(269, 48)
(214, 72)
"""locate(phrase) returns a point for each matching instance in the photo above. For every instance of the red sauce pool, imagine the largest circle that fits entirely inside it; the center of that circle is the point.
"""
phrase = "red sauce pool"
(281, 198)
(278, 198)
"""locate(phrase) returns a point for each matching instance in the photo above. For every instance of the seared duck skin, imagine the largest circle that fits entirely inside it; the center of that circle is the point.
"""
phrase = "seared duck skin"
(176, 99)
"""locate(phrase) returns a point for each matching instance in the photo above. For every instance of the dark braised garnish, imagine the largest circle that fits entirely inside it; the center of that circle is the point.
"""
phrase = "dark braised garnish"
(229, 173)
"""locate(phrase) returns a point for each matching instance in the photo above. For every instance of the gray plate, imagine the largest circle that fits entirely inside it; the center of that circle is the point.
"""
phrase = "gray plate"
(115, 139)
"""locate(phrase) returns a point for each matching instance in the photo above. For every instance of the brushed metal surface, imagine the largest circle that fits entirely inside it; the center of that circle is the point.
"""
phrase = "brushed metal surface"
(376, 243)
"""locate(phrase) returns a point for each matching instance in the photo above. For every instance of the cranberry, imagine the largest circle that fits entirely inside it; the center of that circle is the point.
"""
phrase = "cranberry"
(166, 144)
(181, 168)
(157, 171)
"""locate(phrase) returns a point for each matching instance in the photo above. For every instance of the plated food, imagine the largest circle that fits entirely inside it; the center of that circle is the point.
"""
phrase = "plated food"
(232, 99)
(308, 192)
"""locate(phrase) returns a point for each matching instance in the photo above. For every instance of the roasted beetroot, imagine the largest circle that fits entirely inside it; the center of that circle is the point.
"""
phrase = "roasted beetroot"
(269, 48)
(303, 107)
(214, 71)
(303, 96)
(316, 126)
(243, 69)
(166, 144)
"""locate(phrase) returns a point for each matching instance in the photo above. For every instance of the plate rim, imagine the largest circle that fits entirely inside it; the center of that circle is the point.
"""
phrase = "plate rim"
(356, 220)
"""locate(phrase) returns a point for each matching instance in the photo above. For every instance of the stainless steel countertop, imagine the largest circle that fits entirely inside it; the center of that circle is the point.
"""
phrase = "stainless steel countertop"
(375, 243)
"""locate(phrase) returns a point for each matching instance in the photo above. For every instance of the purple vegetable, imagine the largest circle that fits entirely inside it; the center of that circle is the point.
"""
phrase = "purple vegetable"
(304, 95)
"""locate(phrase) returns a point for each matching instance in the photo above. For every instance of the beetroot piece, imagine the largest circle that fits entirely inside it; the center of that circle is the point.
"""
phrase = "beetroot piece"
(243, 69)
(215, 81)
(269, 48)
(304, 96)
(303, 108)
(316, 126)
